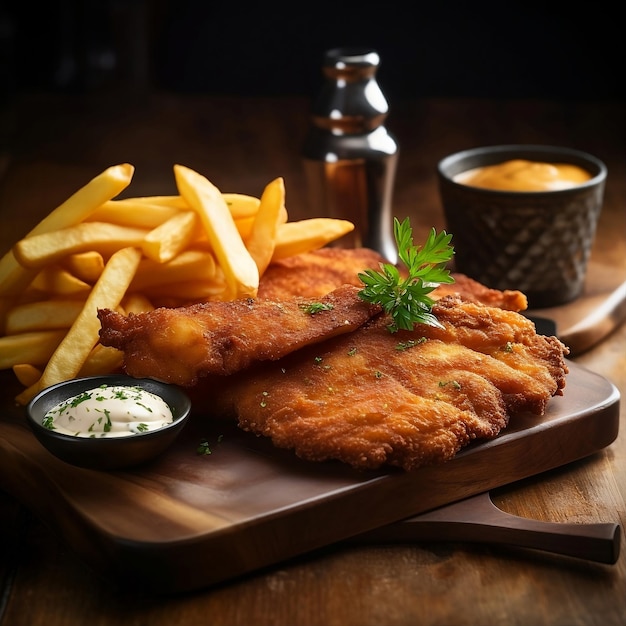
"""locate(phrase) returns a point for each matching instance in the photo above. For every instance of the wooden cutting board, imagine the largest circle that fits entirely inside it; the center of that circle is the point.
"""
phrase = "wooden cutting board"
(187, 521)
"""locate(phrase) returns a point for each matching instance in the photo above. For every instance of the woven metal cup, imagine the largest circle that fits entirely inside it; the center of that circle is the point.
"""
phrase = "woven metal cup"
(538, 242)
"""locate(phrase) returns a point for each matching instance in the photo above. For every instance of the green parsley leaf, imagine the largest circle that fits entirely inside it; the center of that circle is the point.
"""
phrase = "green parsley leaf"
(407, 299)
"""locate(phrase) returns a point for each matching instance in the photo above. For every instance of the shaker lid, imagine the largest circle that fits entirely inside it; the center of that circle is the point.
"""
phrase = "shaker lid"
(350, 101)
(340, 58)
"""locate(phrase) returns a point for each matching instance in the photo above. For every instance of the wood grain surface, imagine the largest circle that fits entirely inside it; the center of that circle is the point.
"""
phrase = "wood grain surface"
(249, 505)
(478, 519)
(57, 143)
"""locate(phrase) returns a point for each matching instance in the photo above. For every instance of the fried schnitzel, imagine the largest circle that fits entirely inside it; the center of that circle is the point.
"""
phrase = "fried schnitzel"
(315, 273)
(407, 399)
(336, 384)
(470, 289)
(183, 344)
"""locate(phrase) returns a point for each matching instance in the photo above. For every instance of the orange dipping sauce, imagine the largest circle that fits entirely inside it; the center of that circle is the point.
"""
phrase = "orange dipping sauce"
(523, 175)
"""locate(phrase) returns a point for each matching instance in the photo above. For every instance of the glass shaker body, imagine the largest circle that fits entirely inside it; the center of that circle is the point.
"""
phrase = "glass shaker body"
(350, 157)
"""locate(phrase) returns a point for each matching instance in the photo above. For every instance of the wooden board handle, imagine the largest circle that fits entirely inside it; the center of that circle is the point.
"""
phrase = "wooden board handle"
(600, 323)
(478, 519)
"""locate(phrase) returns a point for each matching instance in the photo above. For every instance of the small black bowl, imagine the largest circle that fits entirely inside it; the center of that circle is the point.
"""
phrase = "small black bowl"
(107, 453)
(538, 242)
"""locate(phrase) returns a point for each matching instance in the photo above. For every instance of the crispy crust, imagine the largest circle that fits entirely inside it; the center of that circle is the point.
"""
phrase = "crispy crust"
(361, 400)
(219, 338)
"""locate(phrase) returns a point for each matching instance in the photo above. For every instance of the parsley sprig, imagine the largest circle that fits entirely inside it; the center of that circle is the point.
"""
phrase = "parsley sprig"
(407, 299)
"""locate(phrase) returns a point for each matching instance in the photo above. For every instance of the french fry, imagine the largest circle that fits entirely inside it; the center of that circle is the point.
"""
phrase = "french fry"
(244, 227)
(307, 235)
(105, 186)
(200, 245)
(56, 281)
(26, 373)
(241, 205)
(101, 360)
(30, 294)
(283, 216)
(262, 238)
(70, 355)
(39, 250)
(240, 270)
(174, 202)
(178, 294)
(244, 224)
(42, 315)
(86, 266)
(168, 239)
(184, 292)
(35, 348)
(133, 212)
(189, 266)
(136, 303)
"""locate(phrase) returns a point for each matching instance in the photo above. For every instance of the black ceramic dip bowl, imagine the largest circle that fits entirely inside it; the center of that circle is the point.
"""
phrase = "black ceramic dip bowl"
(103, 449)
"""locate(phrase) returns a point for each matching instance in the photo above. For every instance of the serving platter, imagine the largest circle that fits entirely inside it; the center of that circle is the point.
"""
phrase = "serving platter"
(189, 520)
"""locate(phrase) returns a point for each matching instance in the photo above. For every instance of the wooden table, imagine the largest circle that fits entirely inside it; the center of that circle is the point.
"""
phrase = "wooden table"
(56, 144)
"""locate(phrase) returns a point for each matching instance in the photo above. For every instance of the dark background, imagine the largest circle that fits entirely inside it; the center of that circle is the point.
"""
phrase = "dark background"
(430, 49)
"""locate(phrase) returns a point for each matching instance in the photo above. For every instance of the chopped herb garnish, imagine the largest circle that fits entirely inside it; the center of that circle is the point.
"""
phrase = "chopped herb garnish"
(405, 345)
(204, 449)
(315, 307)
(108, 425)
(453, 383)
(263, 403)
(80, 398)
(411, 343)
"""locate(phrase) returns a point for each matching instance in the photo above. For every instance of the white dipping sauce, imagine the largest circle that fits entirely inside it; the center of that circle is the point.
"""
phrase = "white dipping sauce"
(109, 411)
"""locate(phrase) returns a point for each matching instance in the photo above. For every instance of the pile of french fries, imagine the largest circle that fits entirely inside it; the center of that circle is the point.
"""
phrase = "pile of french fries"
(132, 255)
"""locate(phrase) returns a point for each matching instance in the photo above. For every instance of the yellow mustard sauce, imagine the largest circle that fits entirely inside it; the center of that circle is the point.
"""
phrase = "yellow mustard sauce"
(524, 175)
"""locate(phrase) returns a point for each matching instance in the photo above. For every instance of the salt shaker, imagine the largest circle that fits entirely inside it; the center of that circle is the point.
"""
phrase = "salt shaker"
(350, 158)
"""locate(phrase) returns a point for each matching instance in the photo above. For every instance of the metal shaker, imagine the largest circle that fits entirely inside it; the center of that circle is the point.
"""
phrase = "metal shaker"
(350, 158)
